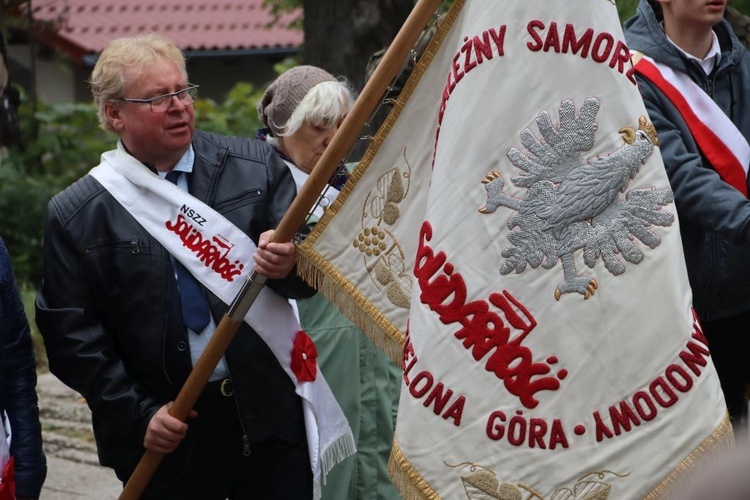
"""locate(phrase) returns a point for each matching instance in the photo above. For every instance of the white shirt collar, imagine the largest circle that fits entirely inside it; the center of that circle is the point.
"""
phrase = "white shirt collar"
(186, 162)
(712, 58)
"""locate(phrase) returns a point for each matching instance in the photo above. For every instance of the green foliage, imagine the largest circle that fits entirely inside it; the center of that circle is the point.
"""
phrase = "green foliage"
(28, 295)
(23, 200)
(235, 116)
(61, 143)
(741, 5)
(626, 8)
(277, 6)
(280, 7)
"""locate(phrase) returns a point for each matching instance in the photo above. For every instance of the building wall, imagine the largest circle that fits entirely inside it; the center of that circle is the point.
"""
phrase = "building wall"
(56, 80)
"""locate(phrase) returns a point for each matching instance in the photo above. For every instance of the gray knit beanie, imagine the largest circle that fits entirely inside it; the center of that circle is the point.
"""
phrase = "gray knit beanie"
(284, 95)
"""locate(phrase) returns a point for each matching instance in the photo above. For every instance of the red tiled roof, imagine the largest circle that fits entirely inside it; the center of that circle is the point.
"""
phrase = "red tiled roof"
(87, 26)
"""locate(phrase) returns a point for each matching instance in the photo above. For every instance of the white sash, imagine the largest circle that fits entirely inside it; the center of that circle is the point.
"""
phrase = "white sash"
(180, 222)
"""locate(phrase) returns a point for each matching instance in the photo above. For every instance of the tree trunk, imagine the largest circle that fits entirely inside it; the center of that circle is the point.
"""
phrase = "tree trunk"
(341, 35)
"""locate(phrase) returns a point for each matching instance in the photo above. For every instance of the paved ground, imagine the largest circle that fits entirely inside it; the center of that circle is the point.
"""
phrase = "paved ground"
(73, 471)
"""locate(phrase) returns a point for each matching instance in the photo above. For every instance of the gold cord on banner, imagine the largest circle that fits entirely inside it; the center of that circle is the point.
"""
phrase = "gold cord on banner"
(407, 479)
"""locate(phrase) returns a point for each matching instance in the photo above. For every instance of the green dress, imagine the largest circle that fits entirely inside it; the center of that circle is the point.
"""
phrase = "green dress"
(366, 385)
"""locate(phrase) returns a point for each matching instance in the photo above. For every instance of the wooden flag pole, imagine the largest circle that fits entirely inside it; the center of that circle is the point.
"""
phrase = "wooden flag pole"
(294, 218)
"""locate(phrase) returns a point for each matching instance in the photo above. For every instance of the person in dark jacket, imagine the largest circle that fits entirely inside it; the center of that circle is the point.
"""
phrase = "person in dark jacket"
(113, 306)
(695, 81)
(18, 398)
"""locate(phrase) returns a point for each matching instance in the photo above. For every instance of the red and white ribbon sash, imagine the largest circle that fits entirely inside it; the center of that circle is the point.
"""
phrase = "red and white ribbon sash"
(216, 253)
(717, 137)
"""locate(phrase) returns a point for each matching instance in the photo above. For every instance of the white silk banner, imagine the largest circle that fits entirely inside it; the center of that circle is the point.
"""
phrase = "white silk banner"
(515, 213)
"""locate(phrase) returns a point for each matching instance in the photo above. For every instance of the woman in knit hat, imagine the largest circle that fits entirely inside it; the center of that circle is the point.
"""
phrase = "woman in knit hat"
(302, 110)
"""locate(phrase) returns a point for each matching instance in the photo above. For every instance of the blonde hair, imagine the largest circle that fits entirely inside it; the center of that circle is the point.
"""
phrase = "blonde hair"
(108, 77)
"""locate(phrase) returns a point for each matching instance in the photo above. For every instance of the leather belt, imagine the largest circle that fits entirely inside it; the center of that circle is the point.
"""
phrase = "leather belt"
(221, 387)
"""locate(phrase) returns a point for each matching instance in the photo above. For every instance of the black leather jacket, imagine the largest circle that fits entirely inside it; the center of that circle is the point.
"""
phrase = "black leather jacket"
(106, 310)
(18, 385)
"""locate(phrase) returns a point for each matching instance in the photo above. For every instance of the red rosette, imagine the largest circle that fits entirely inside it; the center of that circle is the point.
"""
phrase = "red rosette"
(304, 358)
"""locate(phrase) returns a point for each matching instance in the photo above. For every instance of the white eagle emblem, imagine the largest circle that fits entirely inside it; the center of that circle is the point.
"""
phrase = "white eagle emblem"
(573, 203)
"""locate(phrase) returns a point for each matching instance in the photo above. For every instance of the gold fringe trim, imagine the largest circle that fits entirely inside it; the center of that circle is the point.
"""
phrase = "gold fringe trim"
(335, 287)
(717, 444)
(318, 272)
(406, 479)
(413, 486)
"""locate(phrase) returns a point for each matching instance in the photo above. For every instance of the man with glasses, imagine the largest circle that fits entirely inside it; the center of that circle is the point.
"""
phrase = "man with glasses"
(162, 103)
(123, 318)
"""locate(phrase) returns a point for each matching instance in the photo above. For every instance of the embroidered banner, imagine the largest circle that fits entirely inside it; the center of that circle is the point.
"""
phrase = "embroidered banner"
(512, 238)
